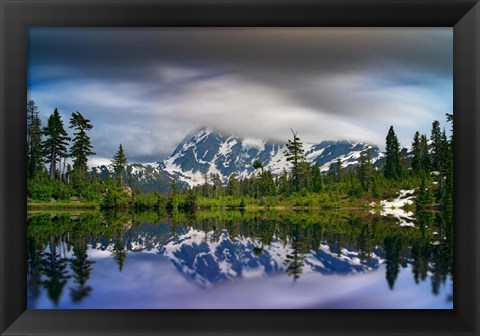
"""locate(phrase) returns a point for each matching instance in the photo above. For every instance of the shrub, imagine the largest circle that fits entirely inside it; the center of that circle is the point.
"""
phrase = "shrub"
(115, 199)
(145, 201)
(40, 191)
(62, 190)
(190, 202)
(90, 194)
(173, 202)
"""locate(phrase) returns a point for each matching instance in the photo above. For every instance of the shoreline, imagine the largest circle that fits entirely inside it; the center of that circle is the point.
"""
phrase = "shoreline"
(61, 206)
(91, 206)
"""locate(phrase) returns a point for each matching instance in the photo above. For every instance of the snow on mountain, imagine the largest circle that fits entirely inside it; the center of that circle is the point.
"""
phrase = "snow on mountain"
(209, 152)
(148, 177)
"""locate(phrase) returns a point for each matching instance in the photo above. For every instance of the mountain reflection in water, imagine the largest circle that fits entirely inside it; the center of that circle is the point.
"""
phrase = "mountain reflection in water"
(234, 259)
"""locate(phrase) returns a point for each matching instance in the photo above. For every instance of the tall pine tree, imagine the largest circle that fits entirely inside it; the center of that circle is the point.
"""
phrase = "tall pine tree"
(296, 158)
(436, 138)
(426, 161)
(393, 160)
(416, 159)
(447, 198)
(339, 171)
(119, 163)
(82, 147)
(55, 143)
(233, 186)
(34, 140)
(317, 178)
(365, 171)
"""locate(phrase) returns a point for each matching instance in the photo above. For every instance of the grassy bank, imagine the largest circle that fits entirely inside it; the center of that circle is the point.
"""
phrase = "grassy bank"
(293, 202)
(61, 205)
(310, 201)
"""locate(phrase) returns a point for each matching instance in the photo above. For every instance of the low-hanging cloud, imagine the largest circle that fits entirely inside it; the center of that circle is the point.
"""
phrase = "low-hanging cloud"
(149, 88)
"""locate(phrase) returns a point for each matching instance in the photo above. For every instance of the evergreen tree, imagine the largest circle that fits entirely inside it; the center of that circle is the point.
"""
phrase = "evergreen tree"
(450, 119)
(55, 144)
(34, 140)
(233, 186)
(317, 178)
(295, 156)
(436, 138)
(339, 171)
(424, 196)
(393, 161)
(119, 163)
(265, 184)
(365, 171)
(445, 151)
(69, 173)
(245, 186)
(173, 202)
(82, 147)
(417, 154)
(206, 188)
(217, 185)
(443, 164)
(331, 172)
(447, 198)
(282, 183)
(426, 161)
(257, 164)
(190, 203)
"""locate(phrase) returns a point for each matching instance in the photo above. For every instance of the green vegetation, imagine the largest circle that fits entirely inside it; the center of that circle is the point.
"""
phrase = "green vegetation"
(428, 248)
(55, 144)
(119, 163)
(111, 211)
(302, 186)
(81, 147)
(394, 168)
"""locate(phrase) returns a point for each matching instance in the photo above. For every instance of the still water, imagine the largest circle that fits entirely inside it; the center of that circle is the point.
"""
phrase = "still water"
(233, 259)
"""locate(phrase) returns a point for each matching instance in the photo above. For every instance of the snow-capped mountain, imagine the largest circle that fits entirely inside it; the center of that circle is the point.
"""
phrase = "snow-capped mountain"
(210, 152)
(148, 177)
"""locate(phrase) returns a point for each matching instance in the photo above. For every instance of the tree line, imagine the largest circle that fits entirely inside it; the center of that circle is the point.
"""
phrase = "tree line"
(429, 168)
(48, 148)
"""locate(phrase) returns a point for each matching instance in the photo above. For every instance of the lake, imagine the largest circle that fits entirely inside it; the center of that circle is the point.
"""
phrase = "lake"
(280, 259)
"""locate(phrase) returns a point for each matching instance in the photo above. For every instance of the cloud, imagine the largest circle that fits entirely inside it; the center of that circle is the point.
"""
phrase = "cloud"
(149, 88)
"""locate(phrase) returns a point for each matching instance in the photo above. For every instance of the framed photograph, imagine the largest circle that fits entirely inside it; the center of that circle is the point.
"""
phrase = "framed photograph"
(248, 167)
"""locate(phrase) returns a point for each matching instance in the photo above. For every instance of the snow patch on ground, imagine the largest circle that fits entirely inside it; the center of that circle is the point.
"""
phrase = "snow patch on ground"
(394, 208)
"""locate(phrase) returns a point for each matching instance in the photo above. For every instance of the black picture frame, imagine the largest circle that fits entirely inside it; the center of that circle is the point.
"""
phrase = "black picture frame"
(17, 16)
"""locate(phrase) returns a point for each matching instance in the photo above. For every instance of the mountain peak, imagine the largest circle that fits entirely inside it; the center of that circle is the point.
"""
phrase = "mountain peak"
(209, 152)
(204, 131)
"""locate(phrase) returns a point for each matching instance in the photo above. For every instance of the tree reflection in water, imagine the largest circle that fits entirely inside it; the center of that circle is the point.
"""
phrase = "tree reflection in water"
(426, 248)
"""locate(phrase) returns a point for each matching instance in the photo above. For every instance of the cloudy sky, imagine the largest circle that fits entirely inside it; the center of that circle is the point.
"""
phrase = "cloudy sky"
(149, 88)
